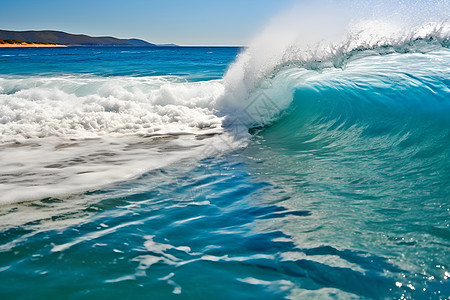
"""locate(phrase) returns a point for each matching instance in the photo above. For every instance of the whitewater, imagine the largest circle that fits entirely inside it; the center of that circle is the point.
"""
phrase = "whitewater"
(312, 163)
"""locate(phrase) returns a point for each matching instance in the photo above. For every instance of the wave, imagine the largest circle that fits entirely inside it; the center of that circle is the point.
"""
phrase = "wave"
(377, 101)
(317, 38)
(91, 107)
(382, 99)
(415, 80)
(305, 87)
(78, 107)
(61, 135)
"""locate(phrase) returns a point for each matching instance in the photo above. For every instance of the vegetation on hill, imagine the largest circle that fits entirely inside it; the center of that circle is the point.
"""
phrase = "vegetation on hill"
(19, 42)
(63, 38)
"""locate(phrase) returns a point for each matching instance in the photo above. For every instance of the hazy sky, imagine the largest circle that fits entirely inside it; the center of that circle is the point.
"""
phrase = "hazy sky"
(195, 22)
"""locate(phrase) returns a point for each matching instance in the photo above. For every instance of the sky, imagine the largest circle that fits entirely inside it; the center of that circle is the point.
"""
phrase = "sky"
(184, 22)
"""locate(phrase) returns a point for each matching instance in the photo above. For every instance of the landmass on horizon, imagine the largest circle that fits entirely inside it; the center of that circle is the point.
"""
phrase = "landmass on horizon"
(19, 43)
(51, 38)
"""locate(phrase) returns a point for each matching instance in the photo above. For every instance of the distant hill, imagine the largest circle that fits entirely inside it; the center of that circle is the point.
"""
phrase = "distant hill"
(63, 38)
(167, 45)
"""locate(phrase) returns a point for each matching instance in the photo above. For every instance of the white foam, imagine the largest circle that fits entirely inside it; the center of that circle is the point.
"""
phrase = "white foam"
(70, 134)
(91, 107)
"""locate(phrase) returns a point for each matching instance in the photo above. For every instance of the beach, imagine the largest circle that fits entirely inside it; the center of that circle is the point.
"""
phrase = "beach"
(25, 45)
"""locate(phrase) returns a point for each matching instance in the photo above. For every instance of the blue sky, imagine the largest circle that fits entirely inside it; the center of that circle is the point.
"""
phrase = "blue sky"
(195, 22)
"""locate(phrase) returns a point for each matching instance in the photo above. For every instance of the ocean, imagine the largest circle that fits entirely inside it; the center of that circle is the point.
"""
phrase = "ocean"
(227, 173)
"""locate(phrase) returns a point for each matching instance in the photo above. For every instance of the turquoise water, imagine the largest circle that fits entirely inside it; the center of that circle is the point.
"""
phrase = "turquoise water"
(133, 174)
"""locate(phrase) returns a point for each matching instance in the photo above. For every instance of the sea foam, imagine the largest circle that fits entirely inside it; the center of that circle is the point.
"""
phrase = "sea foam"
(68, 134)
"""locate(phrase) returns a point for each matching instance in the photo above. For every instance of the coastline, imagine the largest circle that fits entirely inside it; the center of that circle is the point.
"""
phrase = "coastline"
(30, 46)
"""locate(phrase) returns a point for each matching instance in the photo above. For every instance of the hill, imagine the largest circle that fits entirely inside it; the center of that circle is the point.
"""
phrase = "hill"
(63, 38)
(14, 42)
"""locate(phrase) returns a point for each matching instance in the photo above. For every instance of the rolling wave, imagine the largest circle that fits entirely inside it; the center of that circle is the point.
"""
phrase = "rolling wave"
(371, 53)
(376, 78)
(78, 107)
(374, 105)
(99, 130)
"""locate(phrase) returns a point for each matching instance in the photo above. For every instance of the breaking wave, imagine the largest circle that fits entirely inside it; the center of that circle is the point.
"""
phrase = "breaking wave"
(364, 75)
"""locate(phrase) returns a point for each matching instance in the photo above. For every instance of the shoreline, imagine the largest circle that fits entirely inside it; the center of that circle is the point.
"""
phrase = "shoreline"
(30, 46)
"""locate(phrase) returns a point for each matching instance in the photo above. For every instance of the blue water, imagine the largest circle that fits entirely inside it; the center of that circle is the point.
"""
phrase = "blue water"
(195, 63)
(343, 194)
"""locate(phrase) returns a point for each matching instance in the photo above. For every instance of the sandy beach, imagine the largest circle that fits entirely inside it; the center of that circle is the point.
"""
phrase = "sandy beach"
(29, 45)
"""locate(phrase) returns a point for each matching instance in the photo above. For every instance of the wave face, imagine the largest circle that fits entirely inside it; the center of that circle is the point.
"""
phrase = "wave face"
(396, 95)
(356, 127)
(367, 147)
(330, 36)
